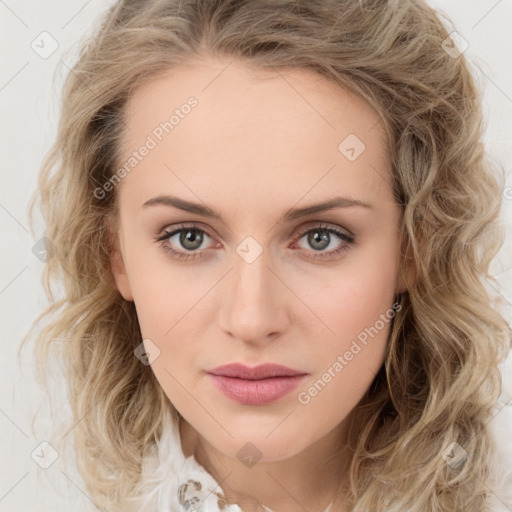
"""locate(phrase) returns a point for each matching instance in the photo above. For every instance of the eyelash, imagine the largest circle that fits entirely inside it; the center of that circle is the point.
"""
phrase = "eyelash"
(193, 255)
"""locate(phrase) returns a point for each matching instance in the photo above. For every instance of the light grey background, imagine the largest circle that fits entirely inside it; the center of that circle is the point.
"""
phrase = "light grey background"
(28, 117)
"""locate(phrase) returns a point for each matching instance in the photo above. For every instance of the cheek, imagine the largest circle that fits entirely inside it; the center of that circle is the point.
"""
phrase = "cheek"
(351, 296)
(357, 323)
(163, 290)
(355, 306)
(347, 359)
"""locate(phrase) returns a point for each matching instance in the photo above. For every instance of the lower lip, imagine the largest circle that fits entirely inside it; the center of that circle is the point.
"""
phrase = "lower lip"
(256, 392)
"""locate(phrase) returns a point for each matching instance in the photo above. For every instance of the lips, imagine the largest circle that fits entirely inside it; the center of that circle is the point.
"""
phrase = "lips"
(260, 385)
(263, 371)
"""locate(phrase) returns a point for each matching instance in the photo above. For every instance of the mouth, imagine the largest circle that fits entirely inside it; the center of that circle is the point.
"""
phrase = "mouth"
(260, 385)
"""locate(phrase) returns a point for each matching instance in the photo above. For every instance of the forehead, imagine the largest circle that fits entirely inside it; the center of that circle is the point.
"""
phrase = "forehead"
(252, 131)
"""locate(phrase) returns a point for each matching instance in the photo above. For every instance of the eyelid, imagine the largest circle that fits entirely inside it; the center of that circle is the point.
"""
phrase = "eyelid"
(171, 230)
(324, 225)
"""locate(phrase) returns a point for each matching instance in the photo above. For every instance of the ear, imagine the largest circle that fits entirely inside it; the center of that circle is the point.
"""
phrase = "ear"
(117, 265)
(406, 268)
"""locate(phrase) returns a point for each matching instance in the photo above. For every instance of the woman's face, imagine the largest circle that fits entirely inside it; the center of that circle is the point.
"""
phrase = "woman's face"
(264, 278)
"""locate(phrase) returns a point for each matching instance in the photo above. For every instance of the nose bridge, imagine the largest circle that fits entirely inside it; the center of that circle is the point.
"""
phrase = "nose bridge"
(251, 280)
(253, 306)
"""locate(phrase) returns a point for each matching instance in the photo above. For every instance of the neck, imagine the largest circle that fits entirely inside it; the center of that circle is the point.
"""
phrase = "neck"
(308, 480)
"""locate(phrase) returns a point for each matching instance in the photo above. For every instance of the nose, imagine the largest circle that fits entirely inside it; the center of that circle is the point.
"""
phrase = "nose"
(254, 304)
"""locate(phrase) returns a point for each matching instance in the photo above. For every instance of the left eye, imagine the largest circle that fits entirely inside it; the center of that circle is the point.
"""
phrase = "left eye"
(321, 238)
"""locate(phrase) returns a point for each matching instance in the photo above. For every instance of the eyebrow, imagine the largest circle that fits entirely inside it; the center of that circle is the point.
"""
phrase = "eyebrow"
(291, 214)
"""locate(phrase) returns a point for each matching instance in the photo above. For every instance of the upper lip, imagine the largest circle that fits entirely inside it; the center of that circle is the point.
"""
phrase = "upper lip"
(263, 371)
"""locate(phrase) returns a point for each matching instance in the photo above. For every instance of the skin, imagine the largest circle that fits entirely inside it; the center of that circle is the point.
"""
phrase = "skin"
(258, 143)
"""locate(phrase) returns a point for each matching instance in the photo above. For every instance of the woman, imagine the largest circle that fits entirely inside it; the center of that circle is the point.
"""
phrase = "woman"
(275, 221)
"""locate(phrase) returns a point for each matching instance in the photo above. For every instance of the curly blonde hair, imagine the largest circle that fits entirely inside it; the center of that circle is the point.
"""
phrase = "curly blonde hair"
(440, 379)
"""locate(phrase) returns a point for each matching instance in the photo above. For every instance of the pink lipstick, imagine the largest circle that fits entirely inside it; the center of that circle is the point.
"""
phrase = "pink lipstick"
(259, 385)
